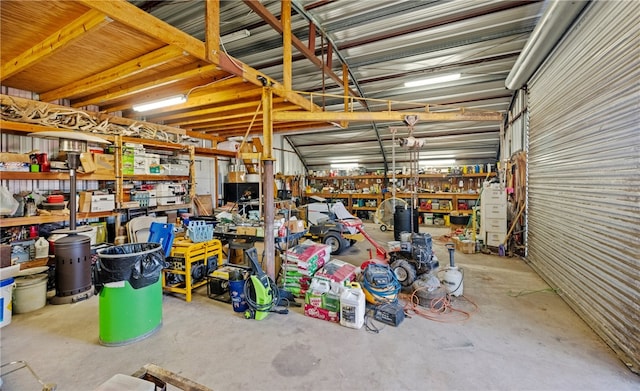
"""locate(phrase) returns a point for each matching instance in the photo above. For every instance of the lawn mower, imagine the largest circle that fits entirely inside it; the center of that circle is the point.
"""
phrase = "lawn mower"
(332, 224)
(413, 257)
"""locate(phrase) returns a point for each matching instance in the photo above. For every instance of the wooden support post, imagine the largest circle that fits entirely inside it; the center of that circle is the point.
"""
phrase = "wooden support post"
(268, 180)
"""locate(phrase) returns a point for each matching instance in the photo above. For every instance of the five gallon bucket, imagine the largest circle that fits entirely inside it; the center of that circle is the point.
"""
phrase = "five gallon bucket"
(30, 293)
(6, 292)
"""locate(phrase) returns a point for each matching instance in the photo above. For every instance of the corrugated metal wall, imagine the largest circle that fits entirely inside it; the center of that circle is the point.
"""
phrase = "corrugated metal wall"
(584, 173)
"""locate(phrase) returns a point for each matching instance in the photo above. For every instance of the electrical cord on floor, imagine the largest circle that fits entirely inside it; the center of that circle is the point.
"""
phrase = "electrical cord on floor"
(441, 309)
(370, 322)
(525, 292)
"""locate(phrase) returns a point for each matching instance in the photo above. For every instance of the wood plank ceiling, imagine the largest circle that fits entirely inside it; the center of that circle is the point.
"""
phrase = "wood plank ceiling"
(110, 55)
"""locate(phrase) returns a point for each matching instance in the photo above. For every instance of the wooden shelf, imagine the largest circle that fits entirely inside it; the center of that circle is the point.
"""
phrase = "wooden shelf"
(34, 220)
(153, 177)
(55, 175)
(362, 195)
(326, 178)
(402, 176)
(370, 208)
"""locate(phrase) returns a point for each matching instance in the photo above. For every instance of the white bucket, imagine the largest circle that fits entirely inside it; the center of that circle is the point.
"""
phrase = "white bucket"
(6, 293)
(405, 236)
(252, 177)
(352, 306)
(30, 293)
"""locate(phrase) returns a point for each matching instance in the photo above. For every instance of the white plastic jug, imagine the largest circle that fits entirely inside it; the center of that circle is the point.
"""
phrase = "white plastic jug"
(352, 306)
(42, 248)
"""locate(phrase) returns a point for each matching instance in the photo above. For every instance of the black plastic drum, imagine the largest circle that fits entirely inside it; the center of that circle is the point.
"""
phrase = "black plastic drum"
(402, 221)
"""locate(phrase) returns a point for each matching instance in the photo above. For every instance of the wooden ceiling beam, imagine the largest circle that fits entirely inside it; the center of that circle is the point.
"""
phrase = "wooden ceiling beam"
(176, 117)
(54, 42)
(278, 128)
(270, 19)
(337, 116)
(134, 18)
(212, 26)
(195, 102)
(163, 79)
(220, 117)
(114, 75)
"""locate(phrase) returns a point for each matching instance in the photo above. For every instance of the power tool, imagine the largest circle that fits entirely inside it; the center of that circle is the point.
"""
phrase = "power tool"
(260, 291)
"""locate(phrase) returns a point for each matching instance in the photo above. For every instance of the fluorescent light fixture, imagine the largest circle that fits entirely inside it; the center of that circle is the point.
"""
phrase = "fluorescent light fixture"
(344, 166)
(425, 159)
(432, 80)
(235, 36)
(170, 101)
(437, 163)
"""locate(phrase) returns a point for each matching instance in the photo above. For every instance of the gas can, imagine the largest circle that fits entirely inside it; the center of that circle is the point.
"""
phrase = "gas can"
(352, 306)
(452, 280)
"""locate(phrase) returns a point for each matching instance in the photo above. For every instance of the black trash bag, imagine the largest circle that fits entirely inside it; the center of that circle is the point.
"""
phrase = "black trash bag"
(139, 263)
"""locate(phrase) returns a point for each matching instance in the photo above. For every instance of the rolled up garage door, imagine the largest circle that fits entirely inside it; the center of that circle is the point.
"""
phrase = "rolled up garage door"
(584, 173)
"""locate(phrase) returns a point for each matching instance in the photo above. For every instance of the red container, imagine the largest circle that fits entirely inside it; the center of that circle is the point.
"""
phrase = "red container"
(55, 199)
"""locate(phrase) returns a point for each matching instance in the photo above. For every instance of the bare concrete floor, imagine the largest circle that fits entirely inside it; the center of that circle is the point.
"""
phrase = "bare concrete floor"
(527, 342)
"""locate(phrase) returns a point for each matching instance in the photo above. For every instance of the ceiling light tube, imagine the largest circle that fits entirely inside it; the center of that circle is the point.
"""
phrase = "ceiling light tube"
(235, 36)
(437, 163)
(344, 166)
(432, 80)
(170, 101)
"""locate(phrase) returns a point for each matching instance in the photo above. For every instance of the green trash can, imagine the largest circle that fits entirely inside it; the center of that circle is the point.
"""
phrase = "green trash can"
(130, 298)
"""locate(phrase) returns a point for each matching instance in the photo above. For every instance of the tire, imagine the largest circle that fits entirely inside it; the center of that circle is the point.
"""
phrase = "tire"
(335, 241)
(383, 227)
(404, 271)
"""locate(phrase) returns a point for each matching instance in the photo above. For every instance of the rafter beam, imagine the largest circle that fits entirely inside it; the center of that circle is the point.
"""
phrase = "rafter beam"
(287, 116)
(134, 18)
(212, 27)
(56, 41)
(268, 17)
(192, 71)
(114, 75)
(223, 117)
(177, 117)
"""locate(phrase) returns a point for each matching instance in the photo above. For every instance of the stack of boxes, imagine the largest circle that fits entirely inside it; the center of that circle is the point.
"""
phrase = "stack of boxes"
(322, 299)
(493, 215)
(135, 160)
(300, 264)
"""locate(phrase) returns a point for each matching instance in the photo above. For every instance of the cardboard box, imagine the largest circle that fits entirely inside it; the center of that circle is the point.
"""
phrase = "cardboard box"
(249, 231)
(295, 226)
(103, 202)
(88, 165)
(127, 160)
(468, 247)
(321, 313)
(84, 201)
(105, 164)
(153, 163)
(7, 157)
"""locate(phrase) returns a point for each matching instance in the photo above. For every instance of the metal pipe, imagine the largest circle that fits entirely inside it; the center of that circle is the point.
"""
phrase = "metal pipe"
(554, 22)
